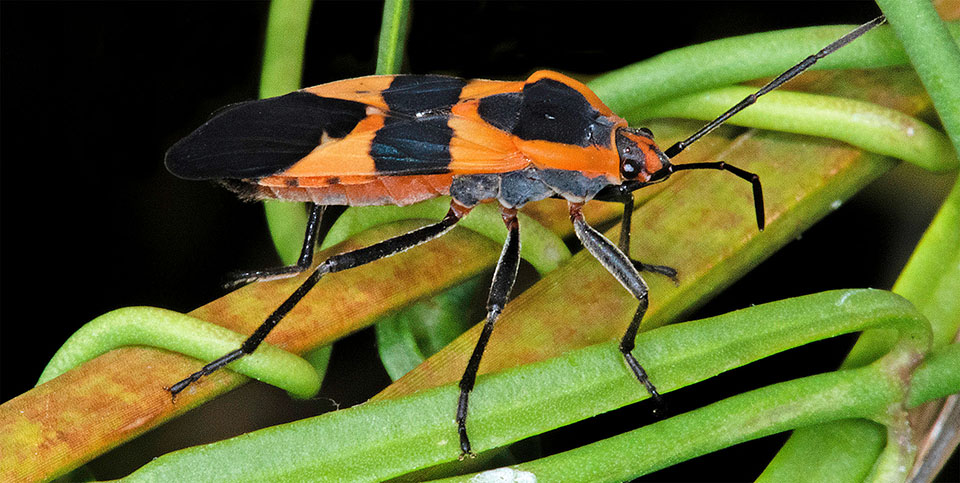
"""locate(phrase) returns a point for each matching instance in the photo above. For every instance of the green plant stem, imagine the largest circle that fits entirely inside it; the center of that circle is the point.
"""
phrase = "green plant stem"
(286, 222)
(282, 67)
(736, 59)
(868, 126)
(393, 36)
(933, 53)
(390, 438)
(174, 331)
(931, 279)
(284, 47)
(538, 245)
(858, 393)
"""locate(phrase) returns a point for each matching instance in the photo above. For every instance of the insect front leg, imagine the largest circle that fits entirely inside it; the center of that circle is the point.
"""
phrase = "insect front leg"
(622, 268)
(503, 277)
(626, 197)
(333, 264)
(303, 263)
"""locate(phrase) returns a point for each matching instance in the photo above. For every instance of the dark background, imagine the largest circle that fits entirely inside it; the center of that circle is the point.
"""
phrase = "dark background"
(94, 93)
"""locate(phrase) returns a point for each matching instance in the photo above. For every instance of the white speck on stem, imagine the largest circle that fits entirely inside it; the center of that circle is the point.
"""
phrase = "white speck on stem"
(504, 475)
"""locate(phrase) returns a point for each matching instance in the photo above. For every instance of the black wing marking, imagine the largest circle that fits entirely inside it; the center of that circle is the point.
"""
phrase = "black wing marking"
(260, 138)
(413, 94)
(417, 145)
(547, 110)
(415, 138)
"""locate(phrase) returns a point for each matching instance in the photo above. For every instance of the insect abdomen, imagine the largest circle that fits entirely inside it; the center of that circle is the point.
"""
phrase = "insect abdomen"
(385, 190)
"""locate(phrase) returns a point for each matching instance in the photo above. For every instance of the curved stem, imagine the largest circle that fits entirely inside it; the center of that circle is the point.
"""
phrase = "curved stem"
(736, 59)
(931, 278)
(868, 126)
(933, 53)
(150, 326)
(539, 246)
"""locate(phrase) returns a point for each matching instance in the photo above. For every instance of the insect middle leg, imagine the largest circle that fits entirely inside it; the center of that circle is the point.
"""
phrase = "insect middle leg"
(503, 277)
(333, 264)
(302, 265)
(623, 269)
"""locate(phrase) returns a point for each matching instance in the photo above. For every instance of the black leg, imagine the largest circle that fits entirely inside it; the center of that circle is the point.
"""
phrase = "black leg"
(303, 263)
(503, 278)
(621, 267)
(740, 173)
(626, 197)
(333, 264)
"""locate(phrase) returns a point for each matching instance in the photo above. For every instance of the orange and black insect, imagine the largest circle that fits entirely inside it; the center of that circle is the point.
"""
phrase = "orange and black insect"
(398, 140)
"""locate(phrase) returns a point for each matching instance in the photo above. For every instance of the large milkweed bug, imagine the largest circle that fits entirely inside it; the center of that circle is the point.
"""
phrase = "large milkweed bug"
(402, 139)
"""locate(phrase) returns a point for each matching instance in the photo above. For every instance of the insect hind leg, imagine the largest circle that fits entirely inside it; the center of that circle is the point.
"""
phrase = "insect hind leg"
(241, 277)
(503, 278)
(336, 263)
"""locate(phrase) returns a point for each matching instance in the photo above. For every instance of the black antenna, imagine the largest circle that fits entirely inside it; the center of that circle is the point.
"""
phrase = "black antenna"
(672, 151)
(792, 72)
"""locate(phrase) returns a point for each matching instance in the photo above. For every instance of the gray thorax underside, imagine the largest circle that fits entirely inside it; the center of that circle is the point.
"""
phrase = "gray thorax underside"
(516, 188)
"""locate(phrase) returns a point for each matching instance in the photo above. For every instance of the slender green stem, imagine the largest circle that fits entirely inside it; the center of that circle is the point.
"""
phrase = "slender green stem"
(939, 376)
(736, 59)
(181, 333)
(282, 67)
(393, 36)
(286, 222)
(930, 280)
(284, 47)
(390, 438)
(665, 85)
(862, 393)
(868, 126)
(538, 245)
(933, 53)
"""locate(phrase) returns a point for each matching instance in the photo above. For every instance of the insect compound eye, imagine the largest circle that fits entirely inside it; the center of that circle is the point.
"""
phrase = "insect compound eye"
(646, 132)
(632, 157)
(629, 168)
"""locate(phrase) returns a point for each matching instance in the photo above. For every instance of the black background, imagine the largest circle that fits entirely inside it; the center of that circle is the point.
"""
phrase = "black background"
(94, 93)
